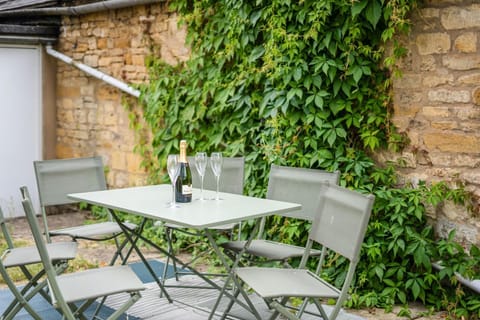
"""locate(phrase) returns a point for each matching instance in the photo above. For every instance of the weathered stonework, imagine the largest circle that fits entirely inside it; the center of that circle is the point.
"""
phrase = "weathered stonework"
(437, 104)
(90, 117)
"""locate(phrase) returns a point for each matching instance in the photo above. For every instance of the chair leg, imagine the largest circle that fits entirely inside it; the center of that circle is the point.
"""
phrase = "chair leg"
(132, 246)
(168, 236)
(271, 302)
(21, 301)
(322, 311)
(284, 311)
(230, 304)
(134, 297)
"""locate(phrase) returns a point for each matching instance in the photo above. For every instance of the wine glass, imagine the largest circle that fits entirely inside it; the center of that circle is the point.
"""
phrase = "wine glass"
(201, 165)
(216, 161)
(173, 168)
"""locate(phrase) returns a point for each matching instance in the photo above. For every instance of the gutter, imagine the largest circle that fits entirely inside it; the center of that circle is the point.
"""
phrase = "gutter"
(78, 10)
(93, 72)
(15, 39)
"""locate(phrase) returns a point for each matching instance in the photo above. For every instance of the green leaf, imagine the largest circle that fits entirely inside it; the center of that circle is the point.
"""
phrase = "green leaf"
(357, 73)
(374, 13)
(358, 7)
(297, 73)
(319, 101)
(415, 290)
(257, 52)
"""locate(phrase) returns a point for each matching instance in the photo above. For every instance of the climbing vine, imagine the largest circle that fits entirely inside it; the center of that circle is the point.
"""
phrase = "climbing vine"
(304, 83)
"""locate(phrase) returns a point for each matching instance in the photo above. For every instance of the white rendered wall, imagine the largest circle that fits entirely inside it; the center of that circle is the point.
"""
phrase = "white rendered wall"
(20, 124)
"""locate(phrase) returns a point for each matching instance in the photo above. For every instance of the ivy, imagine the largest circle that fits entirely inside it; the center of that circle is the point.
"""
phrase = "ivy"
(306, 84)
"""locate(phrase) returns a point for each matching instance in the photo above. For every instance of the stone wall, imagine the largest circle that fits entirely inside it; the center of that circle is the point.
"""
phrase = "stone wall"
(90, 117)
(437, 104)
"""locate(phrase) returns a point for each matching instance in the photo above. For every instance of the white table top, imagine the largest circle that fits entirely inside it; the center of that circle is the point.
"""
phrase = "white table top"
(151, 202)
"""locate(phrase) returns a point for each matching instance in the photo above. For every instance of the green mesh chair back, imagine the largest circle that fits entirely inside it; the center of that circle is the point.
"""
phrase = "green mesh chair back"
(298, 185)
(59, 177)
(231, 178)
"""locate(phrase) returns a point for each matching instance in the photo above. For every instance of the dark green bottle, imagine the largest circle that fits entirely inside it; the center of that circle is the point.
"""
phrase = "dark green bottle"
(183, 187)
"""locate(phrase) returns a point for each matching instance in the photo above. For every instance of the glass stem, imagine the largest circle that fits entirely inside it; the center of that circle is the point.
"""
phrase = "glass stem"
(201, 189)
(173, 194)
(218, 185)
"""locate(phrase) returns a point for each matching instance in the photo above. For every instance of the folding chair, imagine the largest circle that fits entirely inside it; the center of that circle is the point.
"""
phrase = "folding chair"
(60, 253)
(73, 293)
(57, 178)
(298, 185)
(231, 181)
(339, 226)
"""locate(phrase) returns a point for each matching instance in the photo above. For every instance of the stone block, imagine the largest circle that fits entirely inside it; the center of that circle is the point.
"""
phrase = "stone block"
(87, 90)
(104, 61)
(455, 160)
(67, 91)
(107, 92)
(445, 125)
(476, 96)
(92, 44)
(468, 112)
(81, 135)
(127, 58)
(429, 13)
(64, 151)
(462, 62)
(80, 116)
(120, 179)
(409, 111)
(449, 96)
(436, 112)
(137, 179)
(437, 80)
(122, 42)
(118, 161)
(91, 60)
(470, 126)
(408, 81)
(466, 43)
(451, 142)
(138, 60)
(428, 63)
(102, 43)
(472, 176)
(134, 163)
(407, 97)
(433, 43)
(469, 79)
(414, 137)
(458, 17)
(100, 32)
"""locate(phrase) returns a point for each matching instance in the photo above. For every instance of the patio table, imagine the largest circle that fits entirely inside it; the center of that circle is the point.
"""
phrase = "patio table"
(151, 202)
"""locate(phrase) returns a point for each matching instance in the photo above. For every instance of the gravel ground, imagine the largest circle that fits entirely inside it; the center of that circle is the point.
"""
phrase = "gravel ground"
(100, 253)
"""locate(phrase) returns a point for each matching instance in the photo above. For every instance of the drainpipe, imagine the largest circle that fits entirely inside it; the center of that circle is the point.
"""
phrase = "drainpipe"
(78, 10)
(93, 72)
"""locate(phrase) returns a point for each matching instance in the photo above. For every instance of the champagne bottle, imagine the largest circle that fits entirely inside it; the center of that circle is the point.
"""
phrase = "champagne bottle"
(183, 187)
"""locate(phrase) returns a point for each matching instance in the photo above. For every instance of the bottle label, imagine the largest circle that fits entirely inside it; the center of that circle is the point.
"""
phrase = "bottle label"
(186, 189)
